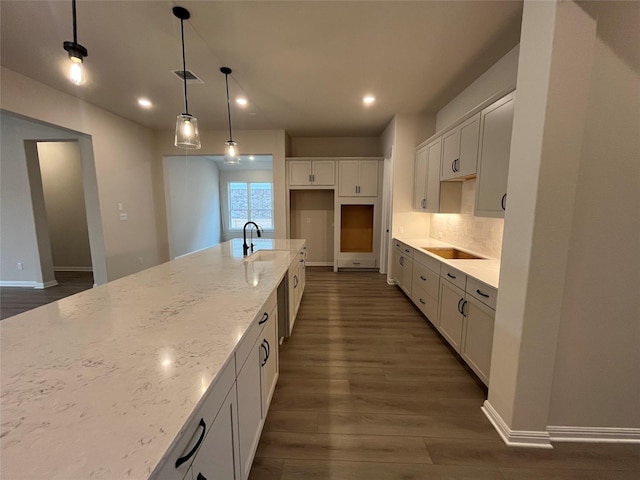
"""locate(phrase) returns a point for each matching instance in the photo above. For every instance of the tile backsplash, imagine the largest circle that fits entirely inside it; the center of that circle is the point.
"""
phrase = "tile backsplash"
(480, 234)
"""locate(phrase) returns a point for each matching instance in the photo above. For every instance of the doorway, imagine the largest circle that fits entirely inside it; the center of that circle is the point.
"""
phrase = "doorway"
(66, 214)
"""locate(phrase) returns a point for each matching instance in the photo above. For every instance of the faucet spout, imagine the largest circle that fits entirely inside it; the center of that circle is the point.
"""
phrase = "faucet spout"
(245, 247)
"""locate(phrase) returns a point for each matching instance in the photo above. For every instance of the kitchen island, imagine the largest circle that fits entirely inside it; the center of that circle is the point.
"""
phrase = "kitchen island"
(101, 384)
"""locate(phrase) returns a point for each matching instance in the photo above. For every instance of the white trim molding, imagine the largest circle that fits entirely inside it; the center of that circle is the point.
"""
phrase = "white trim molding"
(515, 438)
(28, 284)
(594, 434)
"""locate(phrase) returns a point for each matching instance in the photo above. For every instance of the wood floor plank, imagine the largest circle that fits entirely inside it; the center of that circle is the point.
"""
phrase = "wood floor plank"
(412, 425)
(266, 469)
(291, 421)
(323, 386)
(564, 474)
(341, 470)
(342, 447)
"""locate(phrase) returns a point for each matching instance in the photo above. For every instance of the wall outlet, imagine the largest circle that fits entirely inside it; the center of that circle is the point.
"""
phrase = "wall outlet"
(123, 216)
(20, 266)
(400, 229)
(120, 207)
(140, 261)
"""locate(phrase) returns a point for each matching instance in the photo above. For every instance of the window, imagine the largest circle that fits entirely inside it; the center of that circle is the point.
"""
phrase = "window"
(250, 201)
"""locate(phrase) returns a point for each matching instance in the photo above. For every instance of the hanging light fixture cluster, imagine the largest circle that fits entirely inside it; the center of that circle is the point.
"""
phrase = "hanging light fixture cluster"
(187, 135)
(231, 156)
(76, 53)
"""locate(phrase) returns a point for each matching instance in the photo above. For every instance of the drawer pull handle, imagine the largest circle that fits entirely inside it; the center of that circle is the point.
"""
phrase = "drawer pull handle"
(483, 294)
(407, 251)
(423, 204)
(295, 281)
(460, 305)
(462, 309)
(265, 317)
(181, 460)
(423, 302)
(503, 202)
(450, 276)
(422, 277)
(356, 263)
(265, 346)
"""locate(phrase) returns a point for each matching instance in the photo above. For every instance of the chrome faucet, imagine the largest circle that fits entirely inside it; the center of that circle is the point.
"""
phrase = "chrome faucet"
(245, 247)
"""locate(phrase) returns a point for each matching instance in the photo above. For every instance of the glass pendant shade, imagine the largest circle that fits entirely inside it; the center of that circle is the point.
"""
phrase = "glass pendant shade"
(76, 71)
(187, 135)
(231, 156)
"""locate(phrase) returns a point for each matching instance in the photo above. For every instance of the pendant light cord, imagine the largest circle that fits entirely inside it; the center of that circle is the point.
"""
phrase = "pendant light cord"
(226, 81)
(184, 70)
(75, 28)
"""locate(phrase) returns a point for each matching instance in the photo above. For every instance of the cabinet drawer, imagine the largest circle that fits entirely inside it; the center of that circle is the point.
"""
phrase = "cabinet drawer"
(426, 303)
(425, 279)
(253, 332)
(356, 263)
(454, 276)
(403, 248)
(482, 292)
(193, 430)
(427, 260)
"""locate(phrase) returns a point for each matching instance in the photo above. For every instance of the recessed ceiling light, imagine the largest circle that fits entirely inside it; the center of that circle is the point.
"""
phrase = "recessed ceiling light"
(369, 99)
(241, 101)
(144, 102)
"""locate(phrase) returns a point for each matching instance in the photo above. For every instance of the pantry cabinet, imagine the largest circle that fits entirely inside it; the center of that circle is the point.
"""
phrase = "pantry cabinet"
(460, 150)
(493, 161)
(358, 178)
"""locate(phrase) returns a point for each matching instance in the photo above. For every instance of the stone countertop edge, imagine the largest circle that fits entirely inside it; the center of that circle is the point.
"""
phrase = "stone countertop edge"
(486, 270)
(100, 384)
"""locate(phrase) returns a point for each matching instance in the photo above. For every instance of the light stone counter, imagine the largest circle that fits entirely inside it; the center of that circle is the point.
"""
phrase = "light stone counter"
(486, 270)
(98, 385)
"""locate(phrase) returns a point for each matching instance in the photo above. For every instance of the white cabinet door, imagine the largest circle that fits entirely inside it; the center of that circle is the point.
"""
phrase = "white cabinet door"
(478, 337)
(450, 318)
(300, 172)
(348, 178)
(420, 180)
(396, 266)
(493, 162)
(249, 407)
(323, 172)
(432, 188)
(218, 454)
(460, 149)
(407, 274)
(368, 178)
(294, 292)
(269, 359)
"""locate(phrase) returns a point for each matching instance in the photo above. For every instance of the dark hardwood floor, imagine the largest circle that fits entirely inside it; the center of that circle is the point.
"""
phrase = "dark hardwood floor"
(368, 390)
(15, 300)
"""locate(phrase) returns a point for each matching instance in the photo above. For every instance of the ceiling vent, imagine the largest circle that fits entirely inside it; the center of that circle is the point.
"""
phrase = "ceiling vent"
(189, 75)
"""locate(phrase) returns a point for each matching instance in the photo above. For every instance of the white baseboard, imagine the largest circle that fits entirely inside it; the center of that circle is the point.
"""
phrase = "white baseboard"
(515, 438)
(73, 269)
(594, 434)
(23, 284)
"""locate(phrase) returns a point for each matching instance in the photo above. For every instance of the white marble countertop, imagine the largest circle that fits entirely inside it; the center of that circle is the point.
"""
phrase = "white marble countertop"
(97, 385)
(486, 270)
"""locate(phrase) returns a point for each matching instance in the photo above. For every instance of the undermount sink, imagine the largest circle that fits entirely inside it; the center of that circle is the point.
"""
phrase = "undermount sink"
(266, 256)
(452, 253)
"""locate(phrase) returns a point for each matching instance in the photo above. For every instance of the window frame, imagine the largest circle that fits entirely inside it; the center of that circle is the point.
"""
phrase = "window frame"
(249, 209)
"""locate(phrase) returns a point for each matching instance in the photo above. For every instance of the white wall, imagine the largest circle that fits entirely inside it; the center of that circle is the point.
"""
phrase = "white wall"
(335, 147)
(61, 172)
(122, 154)
(227, 176)
(501, 77)
(597, 371)
(193, 204)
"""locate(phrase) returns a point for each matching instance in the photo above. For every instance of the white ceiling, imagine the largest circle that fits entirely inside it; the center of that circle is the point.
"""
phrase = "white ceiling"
(303, 65)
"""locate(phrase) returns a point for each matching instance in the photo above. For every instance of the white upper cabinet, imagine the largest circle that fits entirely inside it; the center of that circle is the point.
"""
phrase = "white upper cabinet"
(460, 150)
(426, 192)
(312, 172)
(358, 178)
(493, 162)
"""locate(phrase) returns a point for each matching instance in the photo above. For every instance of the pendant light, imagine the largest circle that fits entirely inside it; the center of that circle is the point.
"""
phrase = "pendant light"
(231, 156)
(187, 135)
(76, 53)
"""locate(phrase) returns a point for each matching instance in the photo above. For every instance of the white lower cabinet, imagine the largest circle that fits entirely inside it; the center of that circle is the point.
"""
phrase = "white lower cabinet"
(477, 341)
(250, 407)
(450, 318)
(297, 281)
(218, 455)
